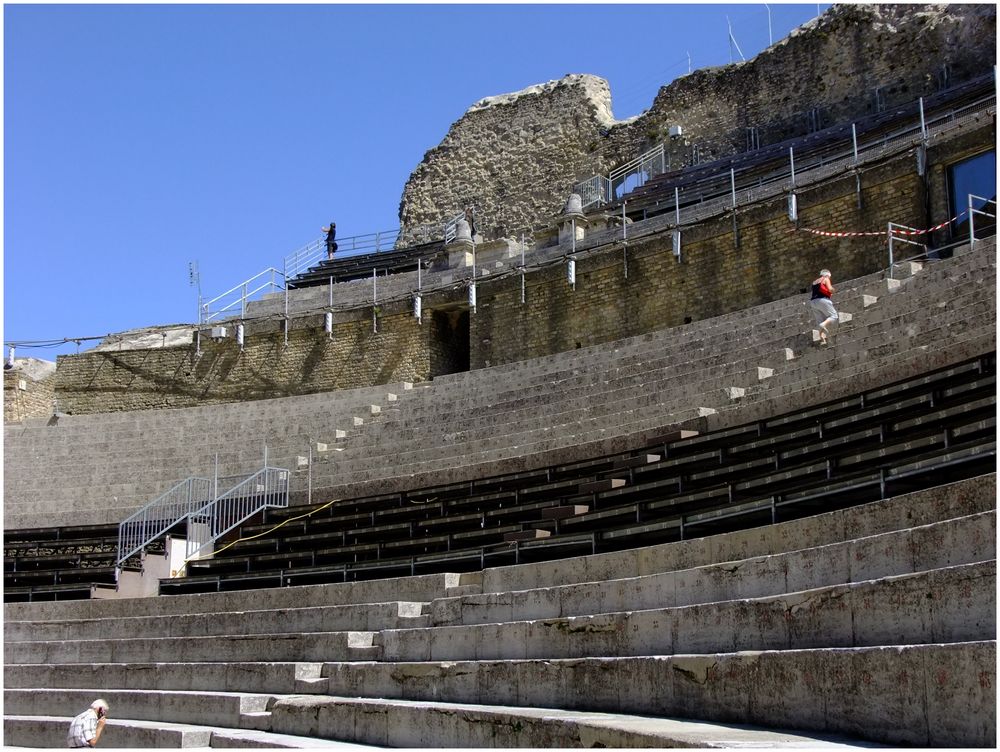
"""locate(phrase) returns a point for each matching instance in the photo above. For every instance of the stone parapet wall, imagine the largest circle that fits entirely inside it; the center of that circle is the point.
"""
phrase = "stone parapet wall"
(518, 156)
(312, 361)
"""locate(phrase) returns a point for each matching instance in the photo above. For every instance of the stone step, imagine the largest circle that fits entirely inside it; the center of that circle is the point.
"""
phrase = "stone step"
(866, 692)
(306, 646)
(420, 588)
(951, 604)
(405, 723)
(353, 617)
(963, 540)
(198, 708)
(249, 677)
(50, 731)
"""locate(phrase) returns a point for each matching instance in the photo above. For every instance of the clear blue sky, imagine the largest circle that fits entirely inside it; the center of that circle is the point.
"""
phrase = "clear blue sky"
(138, 138)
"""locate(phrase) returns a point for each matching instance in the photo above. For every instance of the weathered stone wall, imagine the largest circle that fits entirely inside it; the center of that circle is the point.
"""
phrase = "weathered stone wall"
(517, 157)
(505, 154)
(28, 390)
(110, 380)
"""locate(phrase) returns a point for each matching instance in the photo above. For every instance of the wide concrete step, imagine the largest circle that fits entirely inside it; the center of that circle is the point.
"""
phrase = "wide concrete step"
(944, 605)
(33, 731)
(251, 677)
(310, 646)
(203, 708)
(960, 499)
(403, 723)
(928, 695)
(942, 544)
(355, 617)
(421, 588)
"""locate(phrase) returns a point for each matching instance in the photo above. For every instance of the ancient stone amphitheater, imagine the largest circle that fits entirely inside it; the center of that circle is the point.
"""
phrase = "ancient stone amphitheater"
(607, 489)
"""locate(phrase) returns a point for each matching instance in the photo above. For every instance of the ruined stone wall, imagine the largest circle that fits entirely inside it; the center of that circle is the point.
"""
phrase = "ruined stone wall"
(505, 155)
(110, 380)
(517, 157)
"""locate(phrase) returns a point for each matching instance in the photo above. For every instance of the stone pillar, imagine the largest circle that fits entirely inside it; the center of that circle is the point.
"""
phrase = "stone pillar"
(460, 249)
(572, 216)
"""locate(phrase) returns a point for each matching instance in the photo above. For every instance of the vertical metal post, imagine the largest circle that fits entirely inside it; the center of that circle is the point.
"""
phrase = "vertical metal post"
(374, 301)
(309, 496)
(972, 225)
(572, 260)
(736, 228)
(854, 140)
(285, 322)
(522, 269)
(890, 250)
(770, 39)
(923, 122)
(677, 206)
(791, 160)
(624, 241)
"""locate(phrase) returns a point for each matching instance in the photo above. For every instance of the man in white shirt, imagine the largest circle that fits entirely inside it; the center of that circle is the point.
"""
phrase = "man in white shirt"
(86, 728)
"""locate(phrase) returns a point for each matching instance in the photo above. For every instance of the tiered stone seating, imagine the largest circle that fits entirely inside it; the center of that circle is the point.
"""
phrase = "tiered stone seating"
(891, 603)
(567, 409)
(906, 436)
(100, 468)
(561, 407)
(360, 266)
(58, 563)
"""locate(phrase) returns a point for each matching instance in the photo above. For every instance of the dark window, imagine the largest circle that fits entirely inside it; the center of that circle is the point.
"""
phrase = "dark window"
(977, 176)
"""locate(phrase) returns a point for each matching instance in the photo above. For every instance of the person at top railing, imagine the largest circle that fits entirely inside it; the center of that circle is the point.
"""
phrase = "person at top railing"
(331, 243)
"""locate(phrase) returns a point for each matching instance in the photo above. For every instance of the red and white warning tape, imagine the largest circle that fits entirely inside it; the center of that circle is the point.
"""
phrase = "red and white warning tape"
(895, 231)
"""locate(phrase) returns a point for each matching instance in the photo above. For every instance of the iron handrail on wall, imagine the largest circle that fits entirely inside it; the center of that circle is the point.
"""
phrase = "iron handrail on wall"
(149, 523)
(267, 488)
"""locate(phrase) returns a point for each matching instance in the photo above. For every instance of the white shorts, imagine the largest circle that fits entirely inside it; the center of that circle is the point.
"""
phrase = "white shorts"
(823, 309)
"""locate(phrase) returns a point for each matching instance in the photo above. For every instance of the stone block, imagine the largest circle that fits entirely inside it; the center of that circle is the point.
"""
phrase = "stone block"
(868, 300)
(764, 373)
(358, 421)
(735, 392)
(374, 409)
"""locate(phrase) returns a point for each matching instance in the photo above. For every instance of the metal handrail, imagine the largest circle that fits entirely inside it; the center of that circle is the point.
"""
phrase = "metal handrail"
(146, 525)
(451, 227)
(246, 294)
(267, 488)
(315, 251)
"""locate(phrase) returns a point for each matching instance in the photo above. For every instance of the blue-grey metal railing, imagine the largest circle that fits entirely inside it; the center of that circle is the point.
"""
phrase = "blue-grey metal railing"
(159, 515)
(235, 300)
(266, 488)
(601, 190)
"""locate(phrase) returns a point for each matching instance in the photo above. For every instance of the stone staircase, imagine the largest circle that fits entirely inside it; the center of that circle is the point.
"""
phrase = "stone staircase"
(869, 625)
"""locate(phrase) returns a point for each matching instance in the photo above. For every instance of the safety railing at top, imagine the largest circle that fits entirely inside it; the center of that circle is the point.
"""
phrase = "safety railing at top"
(267, 488)
(159, 515)
(451, 227)
(600, 190)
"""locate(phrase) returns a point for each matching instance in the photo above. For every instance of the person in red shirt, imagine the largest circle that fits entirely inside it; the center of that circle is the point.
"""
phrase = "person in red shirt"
(822, 305)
